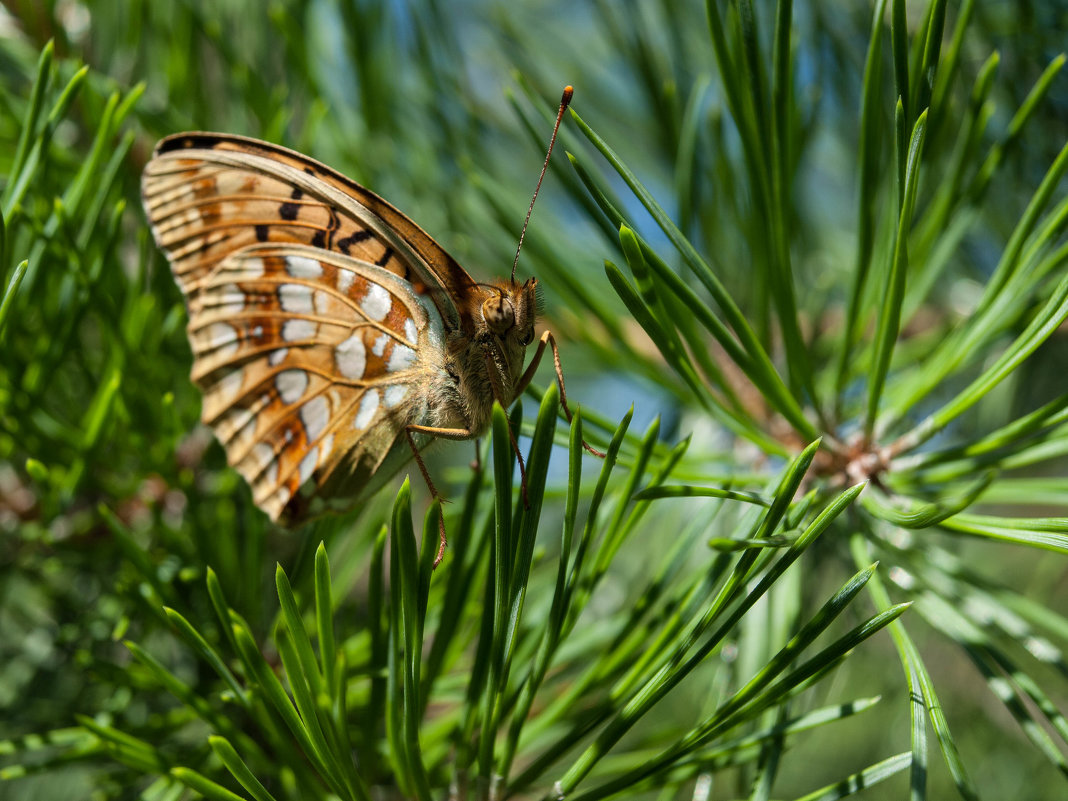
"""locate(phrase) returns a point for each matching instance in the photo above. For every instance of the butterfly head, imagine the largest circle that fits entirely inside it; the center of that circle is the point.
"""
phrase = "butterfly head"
(508, 311)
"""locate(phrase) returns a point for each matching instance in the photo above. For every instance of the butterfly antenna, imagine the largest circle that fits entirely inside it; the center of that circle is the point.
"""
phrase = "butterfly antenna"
(565, 101)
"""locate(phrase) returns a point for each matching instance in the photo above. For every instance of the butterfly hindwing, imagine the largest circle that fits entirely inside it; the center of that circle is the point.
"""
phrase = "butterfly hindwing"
(310, 363)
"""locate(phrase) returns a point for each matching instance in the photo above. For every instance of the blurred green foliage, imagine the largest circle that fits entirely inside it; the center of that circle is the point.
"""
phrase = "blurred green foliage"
(872, 196)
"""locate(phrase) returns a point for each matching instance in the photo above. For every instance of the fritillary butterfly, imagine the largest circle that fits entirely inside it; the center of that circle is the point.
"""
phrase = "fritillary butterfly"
(332, 337)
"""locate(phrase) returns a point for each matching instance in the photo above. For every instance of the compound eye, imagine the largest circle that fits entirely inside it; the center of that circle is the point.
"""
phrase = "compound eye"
(498, 314)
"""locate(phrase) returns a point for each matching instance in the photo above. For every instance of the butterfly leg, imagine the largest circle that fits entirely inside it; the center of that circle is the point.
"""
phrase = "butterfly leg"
(532, 368)
(444, 433)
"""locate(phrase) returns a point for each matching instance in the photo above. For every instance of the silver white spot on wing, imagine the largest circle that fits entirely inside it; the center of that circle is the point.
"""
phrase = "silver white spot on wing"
(344, 280)
(230, 384)
(291, 385)
(236, 427)
(303, 267)
(410, 332)
(252, 268)
(379, 346)
(377, 302)
(308, 464)
(222, 339)
(321, 301)
(351, 357)
(276, 357)
(297, 328)
(295, 298)
(401, 358)
(230, 299)
(395, 394)
(368, 407)
(283, 494)
(315, 414)
(266, 465)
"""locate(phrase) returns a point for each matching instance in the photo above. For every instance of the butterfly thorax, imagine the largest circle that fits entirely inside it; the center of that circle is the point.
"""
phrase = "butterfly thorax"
(485, 363)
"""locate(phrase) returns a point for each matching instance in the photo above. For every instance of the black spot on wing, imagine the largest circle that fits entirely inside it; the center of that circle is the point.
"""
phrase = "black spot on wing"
(345, 243)
(383, 260)
(288, 211)
(261, 233)
(186, 142)
(331, 226)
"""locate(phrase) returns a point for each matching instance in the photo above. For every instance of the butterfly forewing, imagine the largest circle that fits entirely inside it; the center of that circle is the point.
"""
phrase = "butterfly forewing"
(208, 195)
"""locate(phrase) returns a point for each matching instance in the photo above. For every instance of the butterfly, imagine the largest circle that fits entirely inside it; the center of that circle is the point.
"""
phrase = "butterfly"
(331, 335)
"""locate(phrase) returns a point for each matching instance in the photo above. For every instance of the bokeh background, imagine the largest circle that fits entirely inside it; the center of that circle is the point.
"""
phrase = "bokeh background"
(444, 108)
